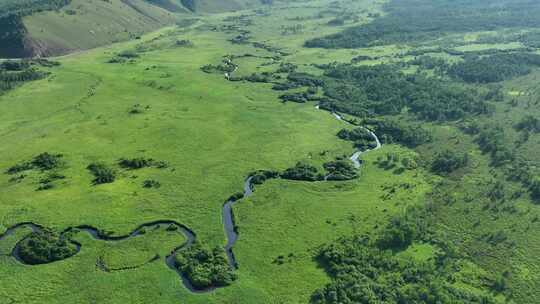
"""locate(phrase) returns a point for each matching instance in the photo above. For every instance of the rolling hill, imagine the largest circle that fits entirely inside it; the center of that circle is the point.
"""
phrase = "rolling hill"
(54, 27)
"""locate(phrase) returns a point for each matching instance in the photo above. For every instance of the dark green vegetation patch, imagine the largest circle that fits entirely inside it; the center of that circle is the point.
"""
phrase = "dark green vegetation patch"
(406, 21)
(205, 268)
(103, 174)
(44, 247)
(16, 72)
(494, 68)
(44, 161)
(376, 269)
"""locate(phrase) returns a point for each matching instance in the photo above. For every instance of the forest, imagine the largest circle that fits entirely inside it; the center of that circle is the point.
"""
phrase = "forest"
(27, 7)
(365, 91)
(368, 269)
(405, 22)
(14, 73)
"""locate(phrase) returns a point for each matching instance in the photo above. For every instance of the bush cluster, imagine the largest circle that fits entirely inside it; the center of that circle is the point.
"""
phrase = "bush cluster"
(205, 268)
(45, 246)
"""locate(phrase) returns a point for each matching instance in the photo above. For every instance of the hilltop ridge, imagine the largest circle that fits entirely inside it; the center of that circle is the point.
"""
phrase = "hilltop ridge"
(41, 28)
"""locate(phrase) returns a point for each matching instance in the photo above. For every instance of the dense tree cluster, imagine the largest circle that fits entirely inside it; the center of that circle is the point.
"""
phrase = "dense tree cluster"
(448, 161)
(494, 68)
(205, 268)
(27, 7)
(299, 97)
(302, 171)
(15, 72)
(362, 138)
(395, 131)
(491, 140)
(369, 270)
(528, 123)
(406, 21)
(383, 89)
(340, 170)
(264, 77)
(366, 274)
(43, 247)
(259, 177)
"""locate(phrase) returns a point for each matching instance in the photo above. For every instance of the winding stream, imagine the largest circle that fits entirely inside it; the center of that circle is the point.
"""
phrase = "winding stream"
(229, 228)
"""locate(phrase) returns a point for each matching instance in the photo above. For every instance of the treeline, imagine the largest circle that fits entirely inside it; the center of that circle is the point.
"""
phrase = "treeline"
(397, 131)
(361, 137)
(15, 72)
(368, 269)
(338, 170)
(23, 8)
(494, 68)
(406, 21)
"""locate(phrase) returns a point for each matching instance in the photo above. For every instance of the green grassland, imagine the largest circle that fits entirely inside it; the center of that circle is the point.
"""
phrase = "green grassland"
(212, 133)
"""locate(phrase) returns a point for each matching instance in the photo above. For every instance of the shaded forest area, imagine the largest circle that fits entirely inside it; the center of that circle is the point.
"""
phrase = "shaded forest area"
(14, 73)
(406, 22)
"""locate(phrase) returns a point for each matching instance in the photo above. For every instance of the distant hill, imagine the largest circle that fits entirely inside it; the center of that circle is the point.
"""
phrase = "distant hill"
(31, 28)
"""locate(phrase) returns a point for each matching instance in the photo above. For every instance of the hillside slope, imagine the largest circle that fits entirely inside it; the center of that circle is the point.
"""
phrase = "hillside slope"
(47, 28)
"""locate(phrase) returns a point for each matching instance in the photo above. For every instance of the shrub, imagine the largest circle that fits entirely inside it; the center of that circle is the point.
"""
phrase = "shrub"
(129, 54)
(135, 163)
(259, 177)
(340, 170)
(235, 197)
(295, 97)
(150, 183)
(20, 168)
(44, 161)
(184, 43)
(302, 171)
(102, 173)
